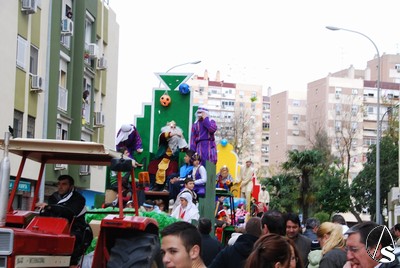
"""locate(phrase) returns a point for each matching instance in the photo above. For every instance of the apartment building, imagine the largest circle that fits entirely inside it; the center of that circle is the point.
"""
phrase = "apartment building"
(237, 110)
(266, 124)
(288, 127)
(59, 76)
(344, 104)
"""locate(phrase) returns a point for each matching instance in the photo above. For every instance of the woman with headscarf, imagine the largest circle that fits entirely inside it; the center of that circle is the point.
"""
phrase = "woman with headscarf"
(186, 210)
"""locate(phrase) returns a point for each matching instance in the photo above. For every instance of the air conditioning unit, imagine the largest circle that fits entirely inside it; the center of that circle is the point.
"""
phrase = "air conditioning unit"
(36, 83)
(84, 170)
(102, 63)
(98, 119)
(93, 50)
(67, 27)
(60, 166)
(29, 6)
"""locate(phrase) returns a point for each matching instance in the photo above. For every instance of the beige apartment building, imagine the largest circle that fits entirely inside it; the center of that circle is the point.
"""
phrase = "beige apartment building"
(288, 127)
(344, 104)
(237, 110)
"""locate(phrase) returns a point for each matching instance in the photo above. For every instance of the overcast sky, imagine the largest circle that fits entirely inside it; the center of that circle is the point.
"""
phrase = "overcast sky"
(281, 44)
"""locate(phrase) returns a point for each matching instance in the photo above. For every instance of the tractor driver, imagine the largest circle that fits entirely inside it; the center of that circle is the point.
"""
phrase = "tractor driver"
(67, 196)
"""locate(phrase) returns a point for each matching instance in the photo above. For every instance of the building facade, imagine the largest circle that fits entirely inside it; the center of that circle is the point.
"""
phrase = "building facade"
(237, 110)
(59, 77)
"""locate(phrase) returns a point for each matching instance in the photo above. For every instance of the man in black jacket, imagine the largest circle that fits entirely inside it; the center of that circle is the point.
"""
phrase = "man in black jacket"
(210, 246)
(66, 196)
(236, 255)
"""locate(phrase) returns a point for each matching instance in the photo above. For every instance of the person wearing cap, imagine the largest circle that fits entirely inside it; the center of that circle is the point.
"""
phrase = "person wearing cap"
(128, 136)
(246, 179)
(223, 219)
(202, 138)
(186, 210)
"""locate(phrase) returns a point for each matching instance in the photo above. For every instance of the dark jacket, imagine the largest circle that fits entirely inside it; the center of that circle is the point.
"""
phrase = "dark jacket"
(210, 247)
(334, 258)
(235, 255)
(76, 203)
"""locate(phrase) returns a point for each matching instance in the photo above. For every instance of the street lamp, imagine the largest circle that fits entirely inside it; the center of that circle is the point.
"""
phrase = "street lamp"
(378, 130)
(186, 63)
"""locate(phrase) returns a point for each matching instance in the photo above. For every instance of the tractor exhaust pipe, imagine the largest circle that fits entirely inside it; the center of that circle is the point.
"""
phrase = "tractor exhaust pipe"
(4, 180)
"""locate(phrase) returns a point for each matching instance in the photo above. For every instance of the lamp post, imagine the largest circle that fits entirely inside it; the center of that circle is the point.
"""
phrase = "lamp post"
(186, 63)
(378, 129)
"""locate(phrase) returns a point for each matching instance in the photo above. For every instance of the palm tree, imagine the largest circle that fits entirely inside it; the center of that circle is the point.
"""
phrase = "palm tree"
(304, 163)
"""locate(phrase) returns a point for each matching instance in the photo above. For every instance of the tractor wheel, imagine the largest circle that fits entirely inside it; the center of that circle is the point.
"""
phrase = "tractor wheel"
(142, 251)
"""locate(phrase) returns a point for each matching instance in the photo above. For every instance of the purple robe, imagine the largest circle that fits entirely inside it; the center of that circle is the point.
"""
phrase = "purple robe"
(202, 140)
(133, 142)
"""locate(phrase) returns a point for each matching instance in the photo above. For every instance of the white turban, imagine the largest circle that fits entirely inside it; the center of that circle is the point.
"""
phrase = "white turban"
(124, 133)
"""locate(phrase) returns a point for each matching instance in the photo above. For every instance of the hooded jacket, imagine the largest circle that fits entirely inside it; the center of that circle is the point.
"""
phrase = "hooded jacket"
(235, 255)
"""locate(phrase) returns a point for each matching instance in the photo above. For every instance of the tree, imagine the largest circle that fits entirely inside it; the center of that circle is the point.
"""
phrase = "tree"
(239, 130)
(284, 192)
(332, 190)
(363, 187)
(303, 163)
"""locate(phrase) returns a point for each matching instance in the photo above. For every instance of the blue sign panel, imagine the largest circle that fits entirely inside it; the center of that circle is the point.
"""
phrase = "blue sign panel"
(22, 186)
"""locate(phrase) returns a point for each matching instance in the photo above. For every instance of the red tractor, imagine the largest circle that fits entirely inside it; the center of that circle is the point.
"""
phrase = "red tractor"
(42, 239)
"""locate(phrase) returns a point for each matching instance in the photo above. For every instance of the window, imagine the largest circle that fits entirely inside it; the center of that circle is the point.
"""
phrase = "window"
(338, 108)
(30, 133)
(354, 126)
(338, 126)
(253, 94)
(266, 106)
(354, 109)
(296, 132)
(296, 118)
(338, 92)
(266, 126)
(241, 93)
(354, 144)
(296, 103)
(371, 110)
(62, 131)
(253, 106)
(17, 124)
(354, 91)
(87, 92)
(337, 143)
(33, 61)
(22, 46)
